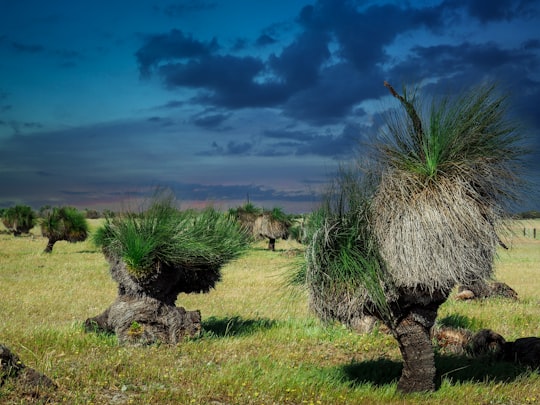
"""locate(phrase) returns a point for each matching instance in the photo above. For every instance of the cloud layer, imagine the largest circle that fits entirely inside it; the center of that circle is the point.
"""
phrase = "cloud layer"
(183, 102)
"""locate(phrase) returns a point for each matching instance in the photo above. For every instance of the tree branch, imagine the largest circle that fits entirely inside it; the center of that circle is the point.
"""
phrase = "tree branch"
(411, 111)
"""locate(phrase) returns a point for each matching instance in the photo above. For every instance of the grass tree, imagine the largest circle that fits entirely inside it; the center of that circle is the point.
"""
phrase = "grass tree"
(19, 219)
(63, 223)
(246, 215)
(154, 256)
(394, 236)
(272, 225)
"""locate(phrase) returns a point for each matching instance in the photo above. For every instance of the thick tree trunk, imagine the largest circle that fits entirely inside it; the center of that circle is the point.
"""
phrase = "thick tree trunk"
(145, 320)
(412, 334)
(50, 245)
(144, 311)
(414, 315)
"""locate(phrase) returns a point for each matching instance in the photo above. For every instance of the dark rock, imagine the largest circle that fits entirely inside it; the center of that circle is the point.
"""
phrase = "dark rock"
(485, 289)
(12, 367)
(486, 343)
(525, 351)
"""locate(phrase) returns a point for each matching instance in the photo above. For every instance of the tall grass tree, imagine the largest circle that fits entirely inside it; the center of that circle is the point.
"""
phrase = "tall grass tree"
(19, 219)
(63, 223)
(155, 255)
(395, 235)
(272, 225)
(246, 215)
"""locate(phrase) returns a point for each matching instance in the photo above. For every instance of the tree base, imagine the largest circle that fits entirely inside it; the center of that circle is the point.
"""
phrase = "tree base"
(418, 373)
(145, 320)
(417, 315)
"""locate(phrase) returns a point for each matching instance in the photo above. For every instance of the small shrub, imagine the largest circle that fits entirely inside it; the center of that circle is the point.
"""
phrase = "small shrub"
(64, 223)
(19, 219)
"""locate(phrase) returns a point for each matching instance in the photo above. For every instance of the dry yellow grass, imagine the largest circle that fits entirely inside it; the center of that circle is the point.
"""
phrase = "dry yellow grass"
(252, 287)
(520, 265)
(261, 345)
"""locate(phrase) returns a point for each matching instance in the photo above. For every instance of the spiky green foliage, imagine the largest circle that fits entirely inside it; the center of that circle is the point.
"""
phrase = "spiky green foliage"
(164, 235)
(343, 270)
(64, 223)
(297, 229)
(246, 209)
(250, 208)
(467, 137)
(19, 219)
(278, 214)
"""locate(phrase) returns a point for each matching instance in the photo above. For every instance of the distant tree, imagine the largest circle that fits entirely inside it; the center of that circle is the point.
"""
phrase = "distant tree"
(297, 230)
(108, 213)
(92, 214)
(246, 215)
(394, 237)
(529, 215)
(19, 219)
(272, 225)
(63, 223)
(43, 210)
(155, 255)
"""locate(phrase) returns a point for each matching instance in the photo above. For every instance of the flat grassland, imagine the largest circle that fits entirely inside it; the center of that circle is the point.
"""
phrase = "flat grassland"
(260, 345)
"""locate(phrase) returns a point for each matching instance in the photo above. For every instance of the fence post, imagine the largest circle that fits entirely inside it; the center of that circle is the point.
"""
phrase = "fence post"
(534, 233)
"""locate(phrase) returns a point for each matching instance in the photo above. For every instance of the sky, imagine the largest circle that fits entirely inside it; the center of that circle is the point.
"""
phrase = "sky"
(229, 101)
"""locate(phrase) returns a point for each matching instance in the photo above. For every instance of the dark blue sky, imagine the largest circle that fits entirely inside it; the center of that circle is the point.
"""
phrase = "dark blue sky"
(220, 99)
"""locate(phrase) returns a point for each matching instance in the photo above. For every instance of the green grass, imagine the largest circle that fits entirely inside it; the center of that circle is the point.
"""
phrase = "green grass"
(261, 345)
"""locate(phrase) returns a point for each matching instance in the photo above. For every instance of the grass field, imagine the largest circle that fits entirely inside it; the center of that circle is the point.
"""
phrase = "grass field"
(261, 345)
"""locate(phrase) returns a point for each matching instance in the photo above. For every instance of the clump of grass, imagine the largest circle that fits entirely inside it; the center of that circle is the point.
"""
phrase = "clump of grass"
(277, 214)
(164, 235)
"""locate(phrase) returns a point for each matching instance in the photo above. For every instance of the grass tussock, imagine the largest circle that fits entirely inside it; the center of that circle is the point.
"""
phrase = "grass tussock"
(261, 344)
(162, 234)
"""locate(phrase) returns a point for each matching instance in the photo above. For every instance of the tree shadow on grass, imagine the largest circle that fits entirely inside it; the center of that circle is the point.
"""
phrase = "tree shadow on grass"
(374, 372)
(464, 369)
(460, 321)
(235, 326)
(89, 251)
(455, 369)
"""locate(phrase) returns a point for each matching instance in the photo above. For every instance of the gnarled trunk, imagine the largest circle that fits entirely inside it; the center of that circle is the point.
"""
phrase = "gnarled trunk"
(144, 311)
(50, 245)
(413, 317)
(413, 335)
(146, 320)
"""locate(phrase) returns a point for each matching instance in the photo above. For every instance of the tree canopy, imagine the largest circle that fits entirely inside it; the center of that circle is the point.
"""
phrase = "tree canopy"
(396, 232)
